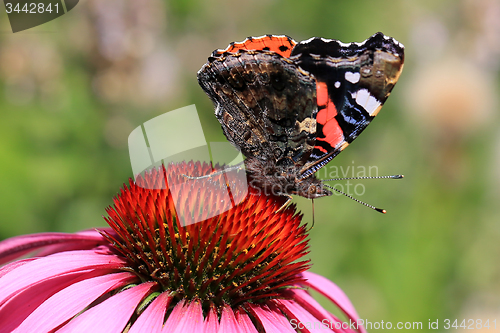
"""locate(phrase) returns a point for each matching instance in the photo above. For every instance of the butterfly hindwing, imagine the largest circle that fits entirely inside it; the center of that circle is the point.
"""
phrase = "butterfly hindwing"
(265, 103)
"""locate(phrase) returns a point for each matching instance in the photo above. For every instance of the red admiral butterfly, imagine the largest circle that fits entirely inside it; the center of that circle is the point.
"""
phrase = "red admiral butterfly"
(292, 107)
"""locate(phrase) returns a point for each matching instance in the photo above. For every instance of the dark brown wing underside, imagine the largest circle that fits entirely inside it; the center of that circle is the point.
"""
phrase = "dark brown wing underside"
(265, 103)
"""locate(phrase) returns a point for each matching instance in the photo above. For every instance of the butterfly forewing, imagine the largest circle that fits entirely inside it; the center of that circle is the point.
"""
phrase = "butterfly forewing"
(281, 45)
(353, 82)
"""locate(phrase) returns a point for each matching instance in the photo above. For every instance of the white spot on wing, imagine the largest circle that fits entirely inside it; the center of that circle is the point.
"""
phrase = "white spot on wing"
(352, 77)
(337, 84)
(261, 37)
(326, 40)
(307, 40)
(362, 97)
(372, 106)
(361, 43)
(398, 43)
(218, 110)
(367, 101)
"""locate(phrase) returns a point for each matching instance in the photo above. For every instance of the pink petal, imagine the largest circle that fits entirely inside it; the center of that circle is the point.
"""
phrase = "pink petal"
(13, 265)
(151, 320)
(333, 293)
(229, 323)
(18, 308)
(96, 232)
(66, 247)
(245, 321)
(190, 319)
(16, 247)
(271, 318)
(54, 265)
(112, 315)
(73, 246)
(68, 302)
(211, 321)
(174, 317)
(306, 301)
(301, 319)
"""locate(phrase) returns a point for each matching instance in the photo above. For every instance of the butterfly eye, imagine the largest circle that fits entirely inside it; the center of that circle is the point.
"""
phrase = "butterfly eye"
(312, 189)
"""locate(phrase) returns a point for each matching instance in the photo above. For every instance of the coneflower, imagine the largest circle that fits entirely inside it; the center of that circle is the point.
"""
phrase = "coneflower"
(179, 257)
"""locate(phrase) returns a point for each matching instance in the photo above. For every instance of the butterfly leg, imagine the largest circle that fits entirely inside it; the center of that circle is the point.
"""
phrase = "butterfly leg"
(289, 198)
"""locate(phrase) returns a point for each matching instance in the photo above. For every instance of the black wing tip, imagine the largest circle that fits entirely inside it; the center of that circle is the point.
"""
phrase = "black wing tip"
(336, 48)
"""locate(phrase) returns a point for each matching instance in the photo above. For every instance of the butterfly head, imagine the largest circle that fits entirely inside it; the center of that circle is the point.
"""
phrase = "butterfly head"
(311, 188)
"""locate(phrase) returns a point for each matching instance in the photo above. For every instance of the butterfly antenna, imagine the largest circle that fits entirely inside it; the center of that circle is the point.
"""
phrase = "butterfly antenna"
(358, 201)
(375, 177)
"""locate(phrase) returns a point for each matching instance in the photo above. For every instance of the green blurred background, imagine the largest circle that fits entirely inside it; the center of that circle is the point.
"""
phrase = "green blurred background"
(72, 90)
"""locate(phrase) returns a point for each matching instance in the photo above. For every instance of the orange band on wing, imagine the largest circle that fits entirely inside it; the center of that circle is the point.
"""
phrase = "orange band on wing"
(333, 134)
(279, 44)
